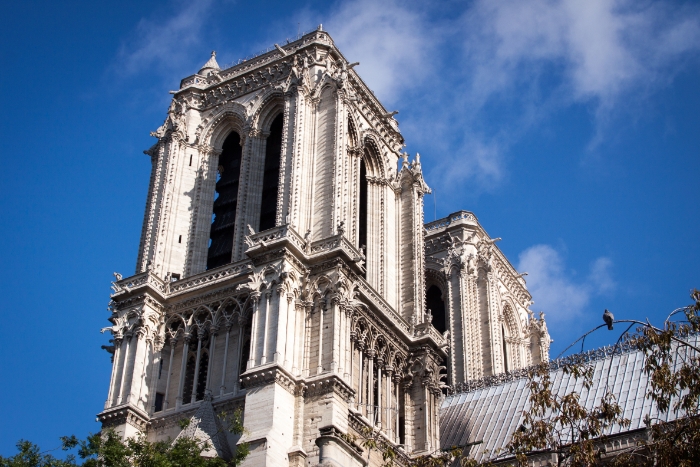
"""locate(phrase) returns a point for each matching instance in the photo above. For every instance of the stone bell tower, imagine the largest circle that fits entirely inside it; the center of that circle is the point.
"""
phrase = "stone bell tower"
(281, 268)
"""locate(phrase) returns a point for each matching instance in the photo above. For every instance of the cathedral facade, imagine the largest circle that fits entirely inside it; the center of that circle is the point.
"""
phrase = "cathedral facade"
(285, 268)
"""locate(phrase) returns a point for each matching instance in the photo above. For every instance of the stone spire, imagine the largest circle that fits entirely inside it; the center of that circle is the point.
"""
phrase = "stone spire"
(205, 427)
(210, 66)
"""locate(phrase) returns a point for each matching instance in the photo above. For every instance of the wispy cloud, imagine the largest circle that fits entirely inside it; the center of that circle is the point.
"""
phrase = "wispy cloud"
(165, 44)
(391, 40)
(557, 291)
(600, 49)
(524, 59)
(451, 74)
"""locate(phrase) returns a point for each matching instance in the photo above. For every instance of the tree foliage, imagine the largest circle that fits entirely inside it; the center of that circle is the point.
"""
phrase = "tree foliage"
(560, 426)
(108, 449)
(562, 429)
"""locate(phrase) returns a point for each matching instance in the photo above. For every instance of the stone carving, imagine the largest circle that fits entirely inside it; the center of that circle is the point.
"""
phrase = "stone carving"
(333, 321)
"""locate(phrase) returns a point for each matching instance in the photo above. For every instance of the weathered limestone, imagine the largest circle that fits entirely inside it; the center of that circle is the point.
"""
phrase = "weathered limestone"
(317, 327)
(487, 304)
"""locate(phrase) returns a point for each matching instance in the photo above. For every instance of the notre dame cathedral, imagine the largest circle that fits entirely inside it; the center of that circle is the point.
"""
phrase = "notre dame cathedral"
(285, 268)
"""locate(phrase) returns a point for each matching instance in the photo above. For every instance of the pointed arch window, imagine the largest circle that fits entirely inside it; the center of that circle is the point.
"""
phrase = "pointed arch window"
(273, 153)
(225, 203)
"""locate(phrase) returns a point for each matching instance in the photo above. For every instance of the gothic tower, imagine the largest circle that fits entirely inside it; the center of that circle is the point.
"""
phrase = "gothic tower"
(282, 269)
(478, 298)
(280, 266)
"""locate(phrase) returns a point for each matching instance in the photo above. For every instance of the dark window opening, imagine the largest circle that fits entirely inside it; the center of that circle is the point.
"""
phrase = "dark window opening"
(226, 201)
(402, 417)
(245, 352)
(189, 374)
(436, 305)
(159, 402)
(179, 239)
(505, 349)
(160, 369)
(202, 377)
(375, 397)
(273, 153)
(362, 233)
(190, 160)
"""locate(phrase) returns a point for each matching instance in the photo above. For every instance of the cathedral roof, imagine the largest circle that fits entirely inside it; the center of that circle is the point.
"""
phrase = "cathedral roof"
(211, 65)
(206, 427)
(489, 414)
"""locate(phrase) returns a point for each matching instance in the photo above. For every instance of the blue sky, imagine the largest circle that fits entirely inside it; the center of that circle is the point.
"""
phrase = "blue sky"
(571, 129)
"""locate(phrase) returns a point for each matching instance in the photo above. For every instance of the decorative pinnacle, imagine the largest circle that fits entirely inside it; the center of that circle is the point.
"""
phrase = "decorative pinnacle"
(211, 63)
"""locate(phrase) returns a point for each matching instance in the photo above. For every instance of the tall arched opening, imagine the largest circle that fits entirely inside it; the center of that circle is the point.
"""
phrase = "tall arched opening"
(225, 203)
(273, 153)
(435, 303)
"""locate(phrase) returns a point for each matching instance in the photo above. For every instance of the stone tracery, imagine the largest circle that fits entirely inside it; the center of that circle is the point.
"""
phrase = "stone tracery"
(302, 318)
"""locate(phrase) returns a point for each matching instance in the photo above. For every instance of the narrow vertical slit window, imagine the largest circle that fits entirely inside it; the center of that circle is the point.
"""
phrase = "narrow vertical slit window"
(189, 372)
(202, 376)
(245, 351)
(362, 224)
(505, 349)
(268, 204)
(225, 204)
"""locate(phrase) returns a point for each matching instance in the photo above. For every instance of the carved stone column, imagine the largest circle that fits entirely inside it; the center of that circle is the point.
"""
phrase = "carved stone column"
(213, 331)
(115, 372)
(195, 383)
(370, 385)
(183, 368)
(389, 409)
(140, 354)
(158, 343)
(280, 331)
(121, 393)
(255, 298)
(222, 386)
(173, 344)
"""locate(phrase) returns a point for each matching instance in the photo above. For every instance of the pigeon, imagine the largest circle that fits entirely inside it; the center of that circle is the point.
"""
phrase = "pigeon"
(608, 318)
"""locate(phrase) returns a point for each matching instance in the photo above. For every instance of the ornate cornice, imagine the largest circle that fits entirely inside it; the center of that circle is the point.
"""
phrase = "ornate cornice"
(124, 414)
(268, 374)
(328, 384)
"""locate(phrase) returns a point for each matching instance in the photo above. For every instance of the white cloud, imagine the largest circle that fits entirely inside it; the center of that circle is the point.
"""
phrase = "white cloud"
(535, 56)
(477, 160)
(391, 41)
(603, 49)
(555, 290)
(600, 276)
(166, 43)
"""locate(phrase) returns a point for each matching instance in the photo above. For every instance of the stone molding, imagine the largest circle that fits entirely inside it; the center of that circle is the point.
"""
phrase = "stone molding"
(123, 414)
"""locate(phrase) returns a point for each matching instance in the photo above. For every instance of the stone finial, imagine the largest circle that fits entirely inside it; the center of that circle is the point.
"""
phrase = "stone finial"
(210, 66)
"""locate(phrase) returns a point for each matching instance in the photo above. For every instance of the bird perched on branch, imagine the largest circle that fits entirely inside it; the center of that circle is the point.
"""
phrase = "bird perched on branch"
(608, 318)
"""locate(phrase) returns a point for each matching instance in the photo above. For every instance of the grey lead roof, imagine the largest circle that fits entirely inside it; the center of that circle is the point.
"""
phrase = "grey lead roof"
(492, 414)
